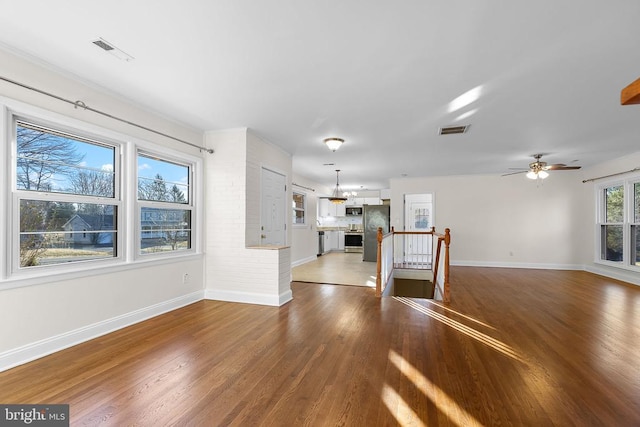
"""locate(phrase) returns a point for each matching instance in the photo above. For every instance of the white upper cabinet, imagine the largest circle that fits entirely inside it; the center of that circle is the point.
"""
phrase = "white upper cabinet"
(326, 208)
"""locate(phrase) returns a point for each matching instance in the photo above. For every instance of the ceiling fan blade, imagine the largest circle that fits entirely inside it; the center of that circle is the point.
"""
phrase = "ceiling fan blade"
(515, 173)
(561, 167)
(518, 169)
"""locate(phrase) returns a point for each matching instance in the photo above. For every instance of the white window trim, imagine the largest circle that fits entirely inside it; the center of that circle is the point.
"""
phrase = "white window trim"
(628, 215)
(139, 204)
(125, 246)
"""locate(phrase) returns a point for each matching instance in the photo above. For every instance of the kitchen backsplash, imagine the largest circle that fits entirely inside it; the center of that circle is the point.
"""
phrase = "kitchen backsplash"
(339, 221)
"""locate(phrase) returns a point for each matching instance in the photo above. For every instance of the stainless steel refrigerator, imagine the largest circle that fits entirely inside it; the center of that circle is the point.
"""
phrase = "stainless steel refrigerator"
(373, 216)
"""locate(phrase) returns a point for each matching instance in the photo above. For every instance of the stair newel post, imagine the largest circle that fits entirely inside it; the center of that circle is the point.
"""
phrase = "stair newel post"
(379, 264)
(447, 291)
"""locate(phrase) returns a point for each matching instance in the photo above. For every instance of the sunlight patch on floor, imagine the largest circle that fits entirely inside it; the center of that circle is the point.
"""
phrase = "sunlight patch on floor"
(444, 307)
(460, 327)
(456, 414)
(404, 415)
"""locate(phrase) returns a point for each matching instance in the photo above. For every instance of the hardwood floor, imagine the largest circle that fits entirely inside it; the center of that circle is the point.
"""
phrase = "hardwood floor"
(514, 347)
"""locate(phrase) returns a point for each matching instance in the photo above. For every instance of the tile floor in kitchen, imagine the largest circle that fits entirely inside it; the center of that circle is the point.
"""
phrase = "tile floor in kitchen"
(337, 268)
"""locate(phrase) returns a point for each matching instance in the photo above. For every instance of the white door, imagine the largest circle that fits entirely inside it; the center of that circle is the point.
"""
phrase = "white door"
(273, 202)
(418, 216)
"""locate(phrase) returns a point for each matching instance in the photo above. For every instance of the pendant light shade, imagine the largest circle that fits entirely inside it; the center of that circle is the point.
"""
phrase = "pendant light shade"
(337, 197)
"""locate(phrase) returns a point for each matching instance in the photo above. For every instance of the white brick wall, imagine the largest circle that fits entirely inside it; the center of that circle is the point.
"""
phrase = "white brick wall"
(234, 271)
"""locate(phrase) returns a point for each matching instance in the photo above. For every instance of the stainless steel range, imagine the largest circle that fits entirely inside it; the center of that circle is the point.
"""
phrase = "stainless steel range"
(353, 240)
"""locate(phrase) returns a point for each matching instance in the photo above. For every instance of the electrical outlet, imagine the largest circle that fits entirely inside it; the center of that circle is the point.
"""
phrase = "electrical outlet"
(185, 278)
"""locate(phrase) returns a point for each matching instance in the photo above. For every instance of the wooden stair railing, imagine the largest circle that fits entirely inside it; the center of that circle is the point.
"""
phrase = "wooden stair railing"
(446, 240)
(443, 243)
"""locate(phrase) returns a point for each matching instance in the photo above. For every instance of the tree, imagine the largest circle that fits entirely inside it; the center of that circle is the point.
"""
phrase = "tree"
(176, 195)
(92, 183)
(155, 189)
(41, 156)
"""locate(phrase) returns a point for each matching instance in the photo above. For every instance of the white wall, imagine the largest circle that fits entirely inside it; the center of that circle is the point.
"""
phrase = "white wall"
(505, 221)
(58, 312)
(236, 271)
(261, 153)
(304, 243)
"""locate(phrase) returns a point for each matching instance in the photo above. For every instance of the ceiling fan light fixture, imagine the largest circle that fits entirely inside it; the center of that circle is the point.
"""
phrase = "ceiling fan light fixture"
(333, 143)
(535, 175)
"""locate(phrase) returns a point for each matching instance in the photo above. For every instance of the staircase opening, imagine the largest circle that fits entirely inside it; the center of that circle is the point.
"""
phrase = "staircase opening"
(413, 288)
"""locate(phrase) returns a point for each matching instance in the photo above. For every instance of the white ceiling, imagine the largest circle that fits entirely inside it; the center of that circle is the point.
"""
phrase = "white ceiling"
(383, 75)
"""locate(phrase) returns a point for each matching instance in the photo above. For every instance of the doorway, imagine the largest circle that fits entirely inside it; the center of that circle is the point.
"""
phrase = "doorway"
(418, 216)
(273, 229)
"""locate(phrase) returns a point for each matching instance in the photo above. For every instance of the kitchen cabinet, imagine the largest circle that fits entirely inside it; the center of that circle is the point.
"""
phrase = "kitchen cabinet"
(372, 201)
(359, 201)
(332, 240)
(326, 208)
(327, 241)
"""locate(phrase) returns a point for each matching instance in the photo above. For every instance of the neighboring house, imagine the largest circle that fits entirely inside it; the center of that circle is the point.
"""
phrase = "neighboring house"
(163, 223)
(82, 229)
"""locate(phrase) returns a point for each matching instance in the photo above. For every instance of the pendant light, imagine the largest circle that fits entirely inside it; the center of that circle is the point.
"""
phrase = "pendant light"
(337, 197)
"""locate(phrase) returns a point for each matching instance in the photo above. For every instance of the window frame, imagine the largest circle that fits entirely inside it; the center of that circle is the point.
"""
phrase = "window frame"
(125, 158)
(154, 204)
(628, 222)
(14, 268)
(303, 209)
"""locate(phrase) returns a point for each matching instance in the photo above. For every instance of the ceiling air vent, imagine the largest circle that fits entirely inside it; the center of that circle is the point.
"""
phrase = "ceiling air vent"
(110, 48)
(104, 45)
(453, 129)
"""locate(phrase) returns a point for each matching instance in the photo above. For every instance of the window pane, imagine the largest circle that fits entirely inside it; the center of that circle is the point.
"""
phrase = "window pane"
(55, 232)
(162, 181)
(614, 204)
(298, 208)
(52, 161)
(298, 201)
(636, 202)
(165, 230)
(635, 245)
(611, 242)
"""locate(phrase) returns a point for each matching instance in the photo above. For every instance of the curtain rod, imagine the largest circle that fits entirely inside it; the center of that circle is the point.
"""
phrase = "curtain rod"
(80, 104)
(302, 186)
(609, 176)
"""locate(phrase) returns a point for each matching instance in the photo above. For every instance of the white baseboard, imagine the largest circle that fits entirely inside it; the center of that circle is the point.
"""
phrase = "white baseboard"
(303, 261)
(38, 349)
(618, 274)
(248, 297)
(499, 264)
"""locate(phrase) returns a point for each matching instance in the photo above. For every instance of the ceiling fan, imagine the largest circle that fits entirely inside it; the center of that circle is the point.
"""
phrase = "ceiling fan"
(538, 169)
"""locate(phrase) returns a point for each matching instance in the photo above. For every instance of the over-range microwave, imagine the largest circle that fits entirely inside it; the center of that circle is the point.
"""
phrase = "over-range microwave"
(353, 210)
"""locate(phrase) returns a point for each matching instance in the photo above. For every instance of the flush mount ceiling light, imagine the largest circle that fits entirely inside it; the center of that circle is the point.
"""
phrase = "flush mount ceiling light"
(337, 197)
(333, 143)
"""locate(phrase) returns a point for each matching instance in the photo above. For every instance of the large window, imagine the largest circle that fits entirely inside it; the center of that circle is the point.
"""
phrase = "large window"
(165, 203)
(619, 223)
(77, 196)
(67, 197)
